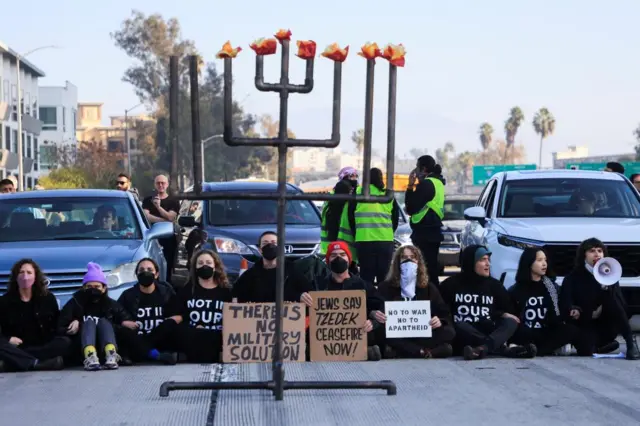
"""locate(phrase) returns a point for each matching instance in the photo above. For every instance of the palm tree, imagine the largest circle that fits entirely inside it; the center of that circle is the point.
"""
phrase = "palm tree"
(486, 134)
(544, 125)
(511, 126)
(357, 138)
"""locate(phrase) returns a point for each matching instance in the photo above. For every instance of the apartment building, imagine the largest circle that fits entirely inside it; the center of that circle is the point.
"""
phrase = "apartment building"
(9, 110)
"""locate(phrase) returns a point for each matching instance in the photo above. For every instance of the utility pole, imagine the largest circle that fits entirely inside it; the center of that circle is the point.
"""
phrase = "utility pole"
(126, 135)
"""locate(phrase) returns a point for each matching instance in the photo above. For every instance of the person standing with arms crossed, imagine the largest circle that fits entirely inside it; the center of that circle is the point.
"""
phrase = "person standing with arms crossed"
(161, 208)
(424, 202)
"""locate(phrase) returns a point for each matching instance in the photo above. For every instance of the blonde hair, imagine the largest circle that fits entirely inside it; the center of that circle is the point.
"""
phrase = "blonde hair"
(393, 276)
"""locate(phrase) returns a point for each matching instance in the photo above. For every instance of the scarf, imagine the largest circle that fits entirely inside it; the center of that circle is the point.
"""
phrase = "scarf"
(408, 275)
(553, 293)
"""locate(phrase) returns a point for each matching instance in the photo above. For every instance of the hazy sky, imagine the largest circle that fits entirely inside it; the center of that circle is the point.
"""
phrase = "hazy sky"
(468, 62)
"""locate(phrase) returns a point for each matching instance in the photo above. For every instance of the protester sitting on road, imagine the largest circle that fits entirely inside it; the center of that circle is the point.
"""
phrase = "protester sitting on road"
(408, 280)
(480, 306)
(90, 317)
(598, 310)
(198, 308)
(258, 283)
(154, 339)
(28, 319)
(338, 258)
(535, 298)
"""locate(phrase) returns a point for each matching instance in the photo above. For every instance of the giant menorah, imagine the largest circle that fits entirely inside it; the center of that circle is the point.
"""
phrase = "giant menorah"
(306, 51)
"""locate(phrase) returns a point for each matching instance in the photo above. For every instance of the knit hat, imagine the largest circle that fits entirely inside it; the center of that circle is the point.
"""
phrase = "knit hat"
(94, 274)
(338, 245)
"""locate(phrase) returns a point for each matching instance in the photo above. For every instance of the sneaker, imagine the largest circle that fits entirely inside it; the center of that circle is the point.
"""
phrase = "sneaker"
(111, 363)
(373, 353)
(520, 351)
(389, 353)
(470, 353)
(633, 353)
(125, 361)
(92, 363)
(169, 358)
(52, 364)
(608, 348)
(444, 350)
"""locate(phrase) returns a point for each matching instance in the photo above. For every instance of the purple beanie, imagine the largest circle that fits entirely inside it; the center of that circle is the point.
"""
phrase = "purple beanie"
(94, 274)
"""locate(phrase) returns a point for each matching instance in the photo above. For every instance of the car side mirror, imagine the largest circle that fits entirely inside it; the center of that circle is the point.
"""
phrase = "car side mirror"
(160, 230)
(187, 221)
(476, 213)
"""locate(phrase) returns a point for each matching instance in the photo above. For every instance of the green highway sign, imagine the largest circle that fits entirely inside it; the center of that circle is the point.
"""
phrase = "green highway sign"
(630, 168)
(481, 174)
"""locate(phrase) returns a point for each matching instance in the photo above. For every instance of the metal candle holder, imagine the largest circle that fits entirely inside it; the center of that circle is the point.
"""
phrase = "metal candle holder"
(277, 385)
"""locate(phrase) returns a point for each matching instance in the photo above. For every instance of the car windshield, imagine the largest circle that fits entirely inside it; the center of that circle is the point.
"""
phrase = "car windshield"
(259, 212)
(47, 219)
(454, 209)
(569, 198)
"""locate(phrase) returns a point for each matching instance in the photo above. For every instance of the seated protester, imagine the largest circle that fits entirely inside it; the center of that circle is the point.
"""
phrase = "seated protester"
(28, 319)
(480, 306)
(92, 315)
(535, 299)
(595, 309)
(258, 283)
(198, 308)
(146, 302)
(338, 258)
(407, 281)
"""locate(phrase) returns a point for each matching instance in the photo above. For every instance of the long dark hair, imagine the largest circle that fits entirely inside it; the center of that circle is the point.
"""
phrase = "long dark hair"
(219, 275)
(39, 285)
(375, 176)
(587, 245)
(527, 258)
(428, 163)
(342, 187)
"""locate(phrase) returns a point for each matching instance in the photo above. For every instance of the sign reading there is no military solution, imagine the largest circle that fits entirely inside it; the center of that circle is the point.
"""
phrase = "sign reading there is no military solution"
(408, 319)
(248, 334)
(336, 330)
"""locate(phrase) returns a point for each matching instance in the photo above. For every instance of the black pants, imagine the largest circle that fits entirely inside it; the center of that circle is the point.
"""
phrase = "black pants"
(492, 334)
(23, 358)
(430, 251)
(613, 320)
(138, 346)
(375, 259)
(200, 345)
(169, 249)
(97, 334)
(410, 348)
(549, 339)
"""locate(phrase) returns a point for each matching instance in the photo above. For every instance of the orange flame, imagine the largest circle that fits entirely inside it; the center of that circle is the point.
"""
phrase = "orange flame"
(265, 46)
(228, 51)
(395, 53)
(370, 51)
(335, 53)
(282, 35)
(306, 49)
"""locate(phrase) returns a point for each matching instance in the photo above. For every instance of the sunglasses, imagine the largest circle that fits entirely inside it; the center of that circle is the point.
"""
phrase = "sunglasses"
(121, 182)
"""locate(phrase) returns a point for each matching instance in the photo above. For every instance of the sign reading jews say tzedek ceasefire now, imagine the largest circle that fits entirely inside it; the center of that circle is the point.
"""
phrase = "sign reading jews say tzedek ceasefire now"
(408, 319)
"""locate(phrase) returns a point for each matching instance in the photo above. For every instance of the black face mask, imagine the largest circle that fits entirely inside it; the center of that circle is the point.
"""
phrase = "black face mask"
(146, 278)
(270, 251)
(205, 272)
(339, 265)
(94, 294)
(353, 182)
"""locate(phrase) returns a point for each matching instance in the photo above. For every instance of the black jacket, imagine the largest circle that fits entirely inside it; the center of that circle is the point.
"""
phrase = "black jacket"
(46, 315)
(254, 287)
(429, 228)
(76, 308)
(130, 299)
(439, 308)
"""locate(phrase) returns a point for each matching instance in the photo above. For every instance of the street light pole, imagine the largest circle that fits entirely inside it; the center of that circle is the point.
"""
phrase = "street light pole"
(126, 136)
(19, 108)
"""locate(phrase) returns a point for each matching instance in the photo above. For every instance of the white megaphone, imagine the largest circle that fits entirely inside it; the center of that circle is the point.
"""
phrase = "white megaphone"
(607, 271)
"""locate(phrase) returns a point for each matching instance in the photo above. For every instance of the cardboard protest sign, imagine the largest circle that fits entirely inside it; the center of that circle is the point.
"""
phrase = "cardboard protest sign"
(408, 319)
(336, 326)
(248, 332)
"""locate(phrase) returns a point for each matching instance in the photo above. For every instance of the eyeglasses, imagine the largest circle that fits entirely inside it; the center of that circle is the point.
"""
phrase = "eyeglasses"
(121, 182)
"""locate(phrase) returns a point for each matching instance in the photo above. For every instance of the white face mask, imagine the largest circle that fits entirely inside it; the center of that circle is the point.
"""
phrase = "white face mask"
(408, 275)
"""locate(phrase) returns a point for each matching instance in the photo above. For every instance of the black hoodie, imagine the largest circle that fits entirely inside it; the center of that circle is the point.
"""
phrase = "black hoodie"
(258, 284)
(79, 307)
(429, 228)
(471, 297)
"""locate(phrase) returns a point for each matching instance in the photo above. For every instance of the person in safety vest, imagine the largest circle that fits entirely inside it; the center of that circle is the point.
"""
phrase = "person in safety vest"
(424, 202)
(331, 214)
(373, 226)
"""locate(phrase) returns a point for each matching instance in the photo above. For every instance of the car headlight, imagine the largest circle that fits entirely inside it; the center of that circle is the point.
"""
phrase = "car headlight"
(231, 246)
(519, 243)
(122, 274)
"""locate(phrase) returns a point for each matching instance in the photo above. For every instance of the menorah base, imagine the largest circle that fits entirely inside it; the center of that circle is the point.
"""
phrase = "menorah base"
(167, 387)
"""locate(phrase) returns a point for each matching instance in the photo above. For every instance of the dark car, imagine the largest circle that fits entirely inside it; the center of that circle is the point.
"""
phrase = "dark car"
(232, 227)
(452, 225)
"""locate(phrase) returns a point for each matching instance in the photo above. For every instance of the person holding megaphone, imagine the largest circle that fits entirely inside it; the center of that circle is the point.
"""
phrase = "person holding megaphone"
(590, 298)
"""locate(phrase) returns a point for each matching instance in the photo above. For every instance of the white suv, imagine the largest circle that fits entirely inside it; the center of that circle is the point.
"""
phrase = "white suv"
(556, 210)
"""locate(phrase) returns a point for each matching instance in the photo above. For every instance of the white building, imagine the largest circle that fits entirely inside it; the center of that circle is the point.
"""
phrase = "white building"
(58, 112)
(31, 125)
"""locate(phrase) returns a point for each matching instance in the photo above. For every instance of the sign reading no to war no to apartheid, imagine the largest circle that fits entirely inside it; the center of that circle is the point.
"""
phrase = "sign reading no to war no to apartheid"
(408, 319)
(336, 330)
(248, 334)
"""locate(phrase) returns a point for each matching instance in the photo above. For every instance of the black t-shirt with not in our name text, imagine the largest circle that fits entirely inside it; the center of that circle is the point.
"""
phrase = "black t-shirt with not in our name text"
(200, 306)
(150, 312)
